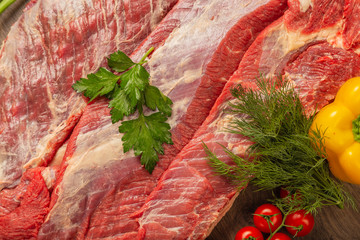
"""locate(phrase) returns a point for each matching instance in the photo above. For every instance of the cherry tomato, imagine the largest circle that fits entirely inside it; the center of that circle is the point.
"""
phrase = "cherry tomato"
(280, 236)
(269, 210)
(284, 192)
(249, 233)
(299, 218)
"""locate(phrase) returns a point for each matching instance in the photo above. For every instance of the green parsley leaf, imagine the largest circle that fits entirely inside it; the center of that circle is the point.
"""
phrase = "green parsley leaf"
(146, 135)
(111, 94)
(133, 82)
(98, 84)
(159, 128)
(155, 99)
(119, 62)
(116, 115)
(121, 105)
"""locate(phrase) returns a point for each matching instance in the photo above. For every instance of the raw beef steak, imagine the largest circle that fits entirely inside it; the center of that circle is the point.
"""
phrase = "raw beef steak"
(304, 45)
(52, 45)
(101, 186)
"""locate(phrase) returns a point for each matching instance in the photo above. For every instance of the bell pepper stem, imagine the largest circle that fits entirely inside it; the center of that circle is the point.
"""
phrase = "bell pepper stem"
(356, 129)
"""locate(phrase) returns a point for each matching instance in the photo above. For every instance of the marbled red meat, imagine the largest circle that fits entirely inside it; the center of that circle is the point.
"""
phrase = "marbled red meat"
(22, 210)
(191, 66)
(351, 34)
(319, 72)
(317, 65)
(52, 45)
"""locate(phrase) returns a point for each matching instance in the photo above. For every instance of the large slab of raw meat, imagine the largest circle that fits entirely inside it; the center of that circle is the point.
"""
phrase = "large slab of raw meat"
(52, 45)
(310, 45)
(101, 186)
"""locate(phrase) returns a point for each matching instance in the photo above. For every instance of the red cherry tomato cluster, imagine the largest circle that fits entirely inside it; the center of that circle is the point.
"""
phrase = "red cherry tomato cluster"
(268, 218)
(298, 223)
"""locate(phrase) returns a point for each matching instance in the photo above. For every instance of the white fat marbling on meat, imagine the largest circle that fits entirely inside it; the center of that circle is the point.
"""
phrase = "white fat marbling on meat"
(223, 119)
(70, 10)
(178, 108)
(295, 39)
(59, 156)
(305, 4)
(42, 147)
(156, 13)
(282, 41)
(3, 176)
(97, 147)
(49, 176)
(105, 146)
(182, 60)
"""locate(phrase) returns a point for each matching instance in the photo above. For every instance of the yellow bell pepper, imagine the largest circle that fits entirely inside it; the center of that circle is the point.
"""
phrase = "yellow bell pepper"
(340, 124)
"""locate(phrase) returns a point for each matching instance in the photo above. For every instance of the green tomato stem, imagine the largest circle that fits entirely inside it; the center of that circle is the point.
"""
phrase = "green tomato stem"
(268, 219)
(268, 222)
(281, 225)
(5, 4)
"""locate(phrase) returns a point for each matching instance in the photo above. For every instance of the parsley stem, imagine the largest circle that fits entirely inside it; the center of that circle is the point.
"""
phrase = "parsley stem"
(140, 107)
(5, 4)
(142, 61)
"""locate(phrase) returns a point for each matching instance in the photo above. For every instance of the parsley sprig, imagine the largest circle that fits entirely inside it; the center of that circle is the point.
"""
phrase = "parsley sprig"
(128, 92)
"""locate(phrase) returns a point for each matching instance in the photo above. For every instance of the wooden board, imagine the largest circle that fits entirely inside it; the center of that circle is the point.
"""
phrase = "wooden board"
(331, 223)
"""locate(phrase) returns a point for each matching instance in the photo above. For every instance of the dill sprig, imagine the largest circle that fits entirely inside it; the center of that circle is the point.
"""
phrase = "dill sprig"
(283, 152)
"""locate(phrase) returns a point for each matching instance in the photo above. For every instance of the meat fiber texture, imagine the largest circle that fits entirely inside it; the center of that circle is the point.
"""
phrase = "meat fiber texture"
(101, 186)
(53, 44)
(315, 45)
(30, 201)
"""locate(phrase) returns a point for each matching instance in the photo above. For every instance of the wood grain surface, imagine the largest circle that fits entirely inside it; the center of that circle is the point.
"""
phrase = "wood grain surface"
(331, 223)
